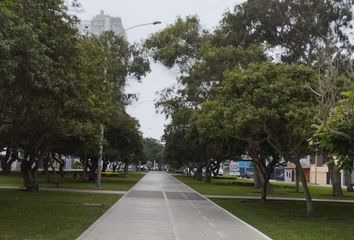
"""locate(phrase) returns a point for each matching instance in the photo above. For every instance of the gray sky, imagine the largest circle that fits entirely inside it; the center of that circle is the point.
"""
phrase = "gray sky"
(135, 12)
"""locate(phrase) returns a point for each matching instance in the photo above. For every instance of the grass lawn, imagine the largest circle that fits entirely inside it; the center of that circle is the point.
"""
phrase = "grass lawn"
(241, 187)
(49, 215)
(119, 183)
(286, 220)
(282, 219)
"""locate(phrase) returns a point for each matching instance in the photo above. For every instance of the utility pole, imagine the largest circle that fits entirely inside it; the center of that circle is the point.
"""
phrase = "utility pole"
(100, 158)
(100, 147)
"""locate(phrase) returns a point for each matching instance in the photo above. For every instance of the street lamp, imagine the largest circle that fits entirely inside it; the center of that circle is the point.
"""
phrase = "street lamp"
(313, 144)
(139, 25)
(100, 152)
(100, 146)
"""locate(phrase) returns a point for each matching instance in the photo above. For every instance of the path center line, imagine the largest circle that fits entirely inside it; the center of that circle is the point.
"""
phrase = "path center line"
(171, 218)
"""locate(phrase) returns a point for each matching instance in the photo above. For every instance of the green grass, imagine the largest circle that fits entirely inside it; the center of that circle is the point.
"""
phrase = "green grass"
(49, 215)
(282, 219)
(286, 220)
(236, 187)
(118, 183)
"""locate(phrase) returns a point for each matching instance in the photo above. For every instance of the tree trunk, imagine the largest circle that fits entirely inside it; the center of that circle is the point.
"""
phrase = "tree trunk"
(92, 165)
(258, 178)
(309, 204)
(190, 170)
(119, 166)
(126, 169)
(7, 161)
(104, 166)
(61, 162)
(84, 162)
(297, 178)
(114, 167)
(208, 174)
(265, 189)
(61, 170)
(335, 179)
(46, 168)
(29, 171)
(216, 168)
(348, 180)
(198, 173)
(6, 167)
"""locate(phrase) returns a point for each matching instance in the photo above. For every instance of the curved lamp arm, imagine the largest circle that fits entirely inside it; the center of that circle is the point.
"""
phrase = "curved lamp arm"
(139, 25)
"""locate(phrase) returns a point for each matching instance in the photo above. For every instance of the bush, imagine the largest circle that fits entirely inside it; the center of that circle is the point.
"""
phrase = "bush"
(113, 174)
(77, 165)
(235, 183)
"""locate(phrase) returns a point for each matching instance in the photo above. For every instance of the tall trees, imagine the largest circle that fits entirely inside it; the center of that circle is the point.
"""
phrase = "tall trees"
(313, 33)
(108, 60)
(336, 138)
(202, 65)
(153, 151)
(270, 109)
(56, 86)
(291, 115)
(124, 141)
(40, 40)
(300, 28)
(228, 97)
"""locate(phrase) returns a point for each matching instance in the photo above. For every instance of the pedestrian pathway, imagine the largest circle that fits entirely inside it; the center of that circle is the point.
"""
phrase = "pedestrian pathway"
(115, 192)
(159, 207)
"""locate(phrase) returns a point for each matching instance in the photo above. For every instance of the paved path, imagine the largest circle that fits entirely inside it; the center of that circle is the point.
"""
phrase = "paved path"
(114, 192)
(159, 207)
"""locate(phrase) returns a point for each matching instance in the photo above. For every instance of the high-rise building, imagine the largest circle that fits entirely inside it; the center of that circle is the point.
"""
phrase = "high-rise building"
(101, 23)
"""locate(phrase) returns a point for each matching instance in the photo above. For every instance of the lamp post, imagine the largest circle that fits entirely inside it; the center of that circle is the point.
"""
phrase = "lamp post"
(316, 163)
(100, 147)
(313, 144)
(139, 25)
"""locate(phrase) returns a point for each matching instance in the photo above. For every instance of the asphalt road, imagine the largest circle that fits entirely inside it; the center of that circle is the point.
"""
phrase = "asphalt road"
(161, 207)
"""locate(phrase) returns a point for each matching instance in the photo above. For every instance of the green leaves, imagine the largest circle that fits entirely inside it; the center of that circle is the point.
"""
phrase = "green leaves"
(301, 28)
(336, 135)
(177, 44)
(264, 101)
(56, 86)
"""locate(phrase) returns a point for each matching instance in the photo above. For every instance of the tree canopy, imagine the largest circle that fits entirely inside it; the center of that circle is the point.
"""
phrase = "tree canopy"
(58, 86)
(234, 97)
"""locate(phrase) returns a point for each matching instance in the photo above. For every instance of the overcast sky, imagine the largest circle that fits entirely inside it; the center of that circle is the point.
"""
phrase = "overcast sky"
(135, 12)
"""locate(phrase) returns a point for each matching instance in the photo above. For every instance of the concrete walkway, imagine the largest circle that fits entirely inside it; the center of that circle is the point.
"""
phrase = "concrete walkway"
(115, 192)
(161, 207)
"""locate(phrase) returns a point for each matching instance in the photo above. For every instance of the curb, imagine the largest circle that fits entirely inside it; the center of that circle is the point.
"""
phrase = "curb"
(99, 220)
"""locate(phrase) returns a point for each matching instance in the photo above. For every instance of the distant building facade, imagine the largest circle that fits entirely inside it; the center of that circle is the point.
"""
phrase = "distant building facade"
(101, 23)
(316, 170)
(238, 168)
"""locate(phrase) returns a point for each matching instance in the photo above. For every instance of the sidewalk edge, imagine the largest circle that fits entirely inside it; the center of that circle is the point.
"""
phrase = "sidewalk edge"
(84, 234)
(227, 212)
